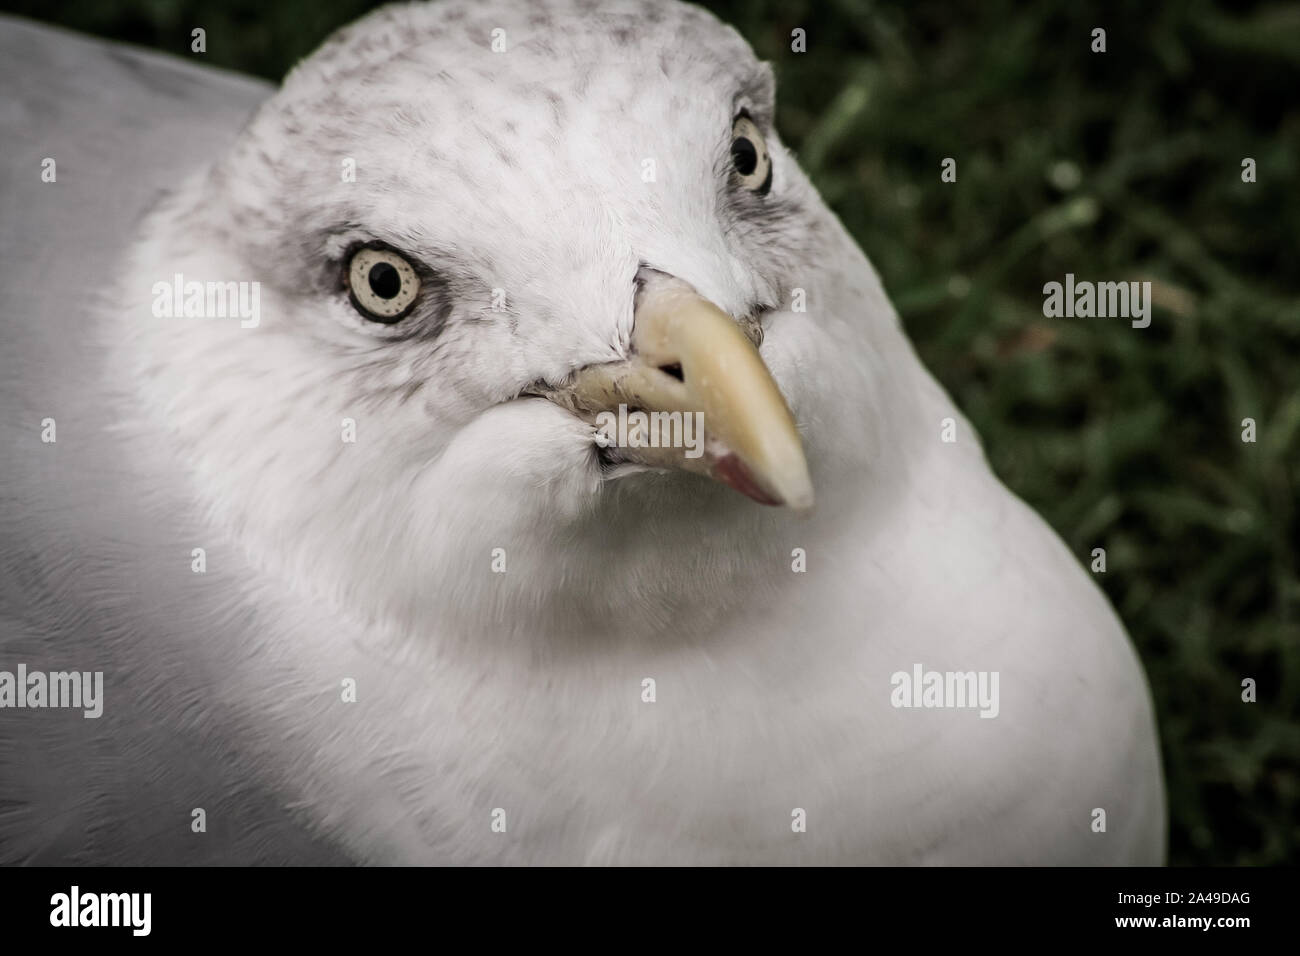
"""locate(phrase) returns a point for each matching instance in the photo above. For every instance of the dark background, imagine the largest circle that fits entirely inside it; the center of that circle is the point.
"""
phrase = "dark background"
(1122, 165)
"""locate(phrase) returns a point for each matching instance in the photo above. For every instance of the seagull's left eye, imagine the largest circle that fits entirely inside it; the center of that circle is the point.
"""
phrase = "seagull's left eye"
(383, 285)
(749, 156)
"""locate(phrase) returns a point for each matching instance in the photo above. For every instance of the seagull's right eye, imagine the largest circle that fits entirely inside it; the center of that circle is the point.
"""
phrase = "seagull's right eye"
(383, 286)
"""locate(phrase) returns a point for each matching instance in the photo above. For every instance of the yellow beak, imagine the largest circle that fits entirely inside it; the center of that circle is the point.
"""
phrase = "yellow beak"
(692, 364)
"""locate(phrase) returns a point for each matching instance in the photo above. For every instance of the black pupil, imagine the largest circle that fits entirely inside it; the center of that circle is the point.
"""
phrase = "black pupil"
(384, 280)
(744, 155)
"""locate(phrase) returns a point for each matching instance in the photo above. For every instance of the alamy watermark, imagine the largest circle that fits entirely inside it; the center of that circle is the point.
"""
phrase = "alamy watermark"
(36, 689)
(179, 299)
(946, 689)
(75, 908)
(640, 429)
(1084, 300)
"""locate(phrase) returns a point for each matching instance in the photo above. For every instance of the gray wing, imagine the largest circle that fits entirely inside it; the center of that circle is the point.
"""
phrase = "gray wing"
(93, 542)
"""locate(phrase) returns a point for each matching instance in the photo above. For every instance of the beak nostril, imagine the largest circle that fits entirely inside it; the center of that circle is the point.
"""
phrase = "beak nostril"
(675, 370)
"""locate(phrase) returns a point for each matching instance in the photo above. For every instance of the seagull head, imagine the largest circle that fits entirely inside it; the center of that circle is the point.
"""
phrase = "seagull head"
(480, 233)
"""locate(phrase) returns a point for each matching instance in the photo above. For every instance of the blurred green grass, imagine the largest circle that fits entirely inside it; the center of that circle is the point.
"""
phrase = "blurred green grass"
(1123, 165)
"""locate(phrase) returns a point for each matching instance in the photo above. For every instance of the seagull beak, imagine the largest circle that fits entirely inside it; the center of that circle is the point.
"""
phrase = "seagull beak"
(690, 357)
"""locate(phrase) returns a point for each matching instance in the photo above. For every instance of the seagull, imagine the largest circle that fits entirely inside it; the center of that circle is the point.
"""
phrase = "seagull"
(308, 406)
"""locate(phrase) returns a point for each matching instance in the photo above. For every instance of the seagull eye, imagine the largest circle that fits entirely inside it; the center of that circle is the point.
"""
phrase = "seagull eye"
(383, 285)
(749, 156)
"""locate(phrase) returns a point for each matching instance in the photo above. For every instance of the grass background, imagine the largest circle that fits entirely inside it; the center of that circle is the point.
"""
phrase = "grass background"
(1122, 165)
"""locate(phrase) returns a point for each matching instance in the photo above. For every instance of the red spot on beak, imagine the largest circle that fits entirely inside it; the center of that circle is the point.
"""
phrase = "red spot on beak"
(731, 471)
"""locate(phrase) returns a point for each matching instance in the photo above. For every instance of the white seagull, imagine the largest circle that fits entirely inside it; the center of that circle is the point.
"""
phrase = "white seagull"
(307, 437)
